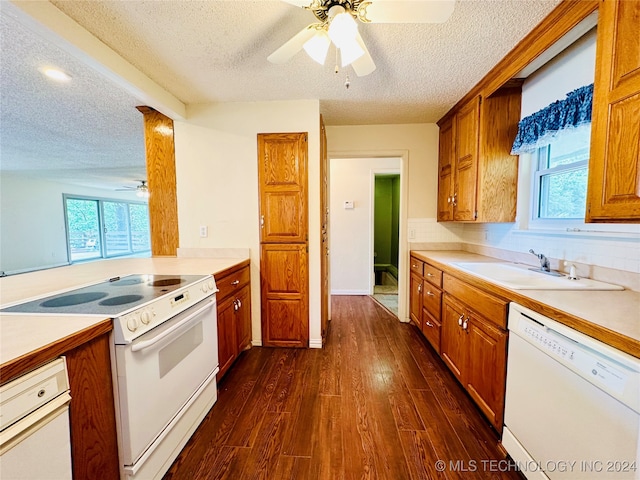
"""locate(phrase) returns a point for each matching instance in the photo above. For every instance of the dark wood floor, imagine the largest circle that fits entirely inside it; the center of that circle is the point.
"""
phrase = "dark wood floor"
(376, 403)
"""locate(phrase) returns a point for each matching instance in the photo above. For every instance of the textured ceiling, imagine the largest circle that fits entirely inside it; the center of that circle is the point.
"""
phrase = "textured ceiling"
(215, 51)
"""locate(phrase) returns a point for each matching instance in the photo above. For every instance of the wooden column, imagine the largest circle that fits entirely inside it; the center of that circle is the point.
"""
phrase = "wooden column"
(161, 178)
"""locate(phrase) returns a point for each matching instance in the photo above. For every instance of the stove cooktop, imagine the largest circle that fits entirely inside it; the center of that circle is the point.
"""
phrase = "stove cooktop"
(110, 298)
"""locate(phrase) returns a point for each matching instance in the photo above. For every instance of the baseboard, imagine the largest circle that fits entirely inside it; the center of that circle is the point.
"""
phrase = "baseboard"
(350, 292)
(256, 343)
(315, 343)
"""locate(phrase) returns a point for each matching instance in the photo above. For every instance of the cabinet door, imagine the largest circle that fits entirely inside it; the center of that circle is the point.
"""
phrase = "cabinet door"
(466, 161)
(227, 345)
(282, 178)
(445, 171)
(284, 281)
(486, 368)
(614, 166)
(242, 308)
(453, 337)
(415, 300)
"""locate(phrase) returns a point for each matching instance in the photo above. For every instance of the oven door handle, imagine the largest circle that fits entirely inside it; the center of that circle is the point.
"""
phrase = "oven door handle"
(136, 347)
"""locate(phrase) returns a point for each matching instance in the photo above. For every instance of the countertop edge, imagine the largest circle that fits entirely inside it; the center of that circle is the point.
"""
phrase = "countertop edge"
(613, 338)
(29, 360)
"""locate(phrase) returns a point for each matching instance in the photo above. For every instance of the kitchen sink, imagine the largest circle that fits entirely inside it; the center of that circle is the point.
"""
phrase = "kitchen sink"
(522, 277)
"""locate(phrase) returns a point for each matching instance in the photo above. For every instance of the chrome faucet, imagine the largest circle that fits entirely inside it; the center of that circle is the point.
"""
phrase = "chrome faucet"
(544, 261)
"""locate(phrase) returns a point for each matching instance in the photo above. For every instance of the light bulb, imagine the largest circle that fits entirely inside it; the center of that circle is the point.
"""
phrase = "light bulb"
(56, 74)
(318, 46)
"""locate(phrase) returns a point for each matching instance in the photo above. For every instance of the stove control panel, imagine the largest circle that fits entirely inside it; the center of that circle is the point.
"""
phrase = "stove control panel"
(131, 325)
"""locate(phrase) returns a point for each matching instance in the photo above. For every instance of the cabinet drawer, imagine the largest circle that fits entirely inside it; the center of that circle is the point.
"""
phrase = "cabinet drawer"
(431, 299)
(431, 329)
(416, 265)
(231, 283)
(433, 275)
(492, 308)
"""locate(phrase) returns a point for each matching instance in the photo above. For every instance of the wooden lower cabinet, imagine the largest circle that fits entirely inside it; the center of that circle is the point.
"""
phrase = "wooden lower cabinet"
(94, 444)
(415, 300)
(284, 278)
(234, 314)
(475, 350)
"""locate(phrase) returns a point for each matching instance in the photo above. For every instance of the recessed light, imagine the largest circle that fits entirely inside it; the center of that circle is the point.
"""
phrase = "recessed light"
(56, 74)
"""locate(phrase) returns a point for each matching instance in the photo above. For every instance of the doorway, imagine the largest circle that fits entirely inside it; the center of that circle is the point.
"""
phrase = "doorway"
(351, 199)
(386, 231)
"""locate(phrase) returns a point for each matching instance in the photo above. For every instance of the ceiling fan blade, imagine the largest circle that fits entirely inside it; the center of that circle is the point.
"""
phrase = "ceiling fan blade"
(363, 65)
(407, 11)
(294, 45)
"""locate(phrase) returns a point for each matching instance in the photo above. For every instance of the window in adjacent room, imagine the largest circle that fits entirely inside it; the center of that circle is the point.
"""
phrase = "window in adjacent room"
(100, 228)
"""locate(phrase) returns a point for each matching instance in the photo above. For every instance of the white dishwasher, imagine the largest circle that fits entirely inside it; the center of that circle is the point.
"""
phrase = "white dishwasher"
(34, 425)
(572, 407)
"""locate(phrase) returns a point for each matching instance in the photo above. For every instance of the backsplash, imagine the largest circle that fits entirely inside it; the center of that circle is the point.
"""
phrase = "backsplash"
(605, 257)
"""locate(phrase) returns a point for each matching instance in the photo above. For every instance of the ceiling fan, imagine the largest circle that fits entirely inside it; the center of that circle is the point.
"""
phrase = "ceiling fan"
(337, 24)
(142, 190)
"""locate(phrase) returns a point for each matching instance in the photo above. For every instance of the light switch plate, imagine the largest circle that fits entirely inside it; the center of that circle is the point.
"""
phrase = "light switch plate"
(348, 204)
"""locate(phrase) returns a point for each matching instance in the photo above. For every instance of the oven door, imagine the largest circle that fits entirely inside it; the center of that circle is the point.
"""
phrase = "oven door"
(160, 371)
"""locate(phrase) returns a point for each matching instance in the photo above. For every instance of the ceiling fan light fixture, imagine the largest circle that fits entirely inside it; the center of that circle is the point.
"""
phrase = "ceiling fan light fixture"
(350, 52)
(142, 190)
(317, 46)
(343, 28)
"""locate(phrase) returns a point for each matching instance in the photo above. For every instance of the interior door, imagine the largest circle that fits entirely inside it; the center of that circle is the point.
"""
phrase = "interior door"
(282, 177)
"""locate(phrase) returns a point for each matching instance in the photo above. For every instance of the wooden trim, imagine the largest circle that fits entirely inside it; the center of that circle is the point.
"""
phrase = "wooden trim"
(560, 21)
(21, 365)
(161, 178)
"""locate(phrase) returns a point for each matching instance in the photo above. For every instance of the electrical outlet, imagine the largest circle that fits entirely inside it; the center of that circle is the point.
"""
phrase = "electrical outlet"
(204, 231)
(412, 234)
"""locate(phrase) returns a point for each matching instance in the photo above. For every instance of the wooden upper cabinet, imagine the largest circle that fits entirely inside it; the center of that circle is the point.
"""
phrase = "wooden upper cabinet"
(478, 175)
(445, 171)
(466, 161)
(614, 166)
(282, 175)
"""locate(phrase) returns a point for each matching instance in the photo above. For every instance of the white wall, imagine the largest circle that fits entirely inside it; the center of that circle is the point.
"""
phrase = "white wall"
(417, 144)
(217, 182)
(351, 230)
(573, 69)
(32, 223)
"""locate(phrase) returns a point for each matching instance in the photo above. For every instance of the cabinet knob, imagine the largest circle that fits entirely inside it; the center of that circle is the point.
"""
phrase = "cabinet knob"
(261, 221)
(429, 324)
(460, 320)
(429, 274)
(419, 287)
(429, 293)
(465, 324)
(235, 282)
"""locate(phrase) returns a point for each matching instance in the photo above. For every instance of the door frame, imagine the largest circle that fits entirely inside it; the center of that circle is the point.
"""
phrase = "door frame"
(372, 224)
(403, 155)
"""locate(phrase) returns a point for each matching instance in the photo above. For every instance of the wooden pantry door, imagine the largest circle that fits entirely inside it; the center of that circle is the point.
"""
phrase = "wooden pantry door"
(284, 263)
(282, 178)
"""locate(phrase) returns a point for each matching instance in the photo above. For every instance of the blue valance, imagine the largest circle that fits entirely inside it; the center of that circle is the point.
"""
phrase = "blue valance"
(541, 128)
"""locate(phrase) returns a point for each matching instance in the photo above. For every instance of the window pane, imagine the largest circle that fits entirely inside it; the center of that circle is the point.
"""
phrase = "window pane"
(84, 229)
(116, 228)
(140, 240)
(564, 194)
(570, 146)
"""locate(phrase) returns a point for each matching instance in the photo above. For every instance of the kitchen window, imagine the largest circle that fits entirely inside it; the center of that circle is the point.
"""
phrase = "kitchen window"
(560, 176)
(101, 228)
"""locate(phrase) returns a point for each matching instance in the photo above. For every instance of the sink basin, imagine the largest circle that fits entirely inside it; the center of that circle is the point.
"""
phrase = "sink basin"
(520, 277)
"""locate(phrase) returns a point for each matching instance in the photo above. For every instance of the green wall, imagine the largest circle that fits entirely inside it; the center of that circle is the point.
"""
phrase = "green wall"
(386, 220)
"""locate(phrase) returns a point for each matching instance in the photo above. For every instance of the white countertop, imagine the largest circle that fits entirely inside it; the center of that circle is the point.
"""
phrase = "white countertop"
(612, 317)
(22, 333)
